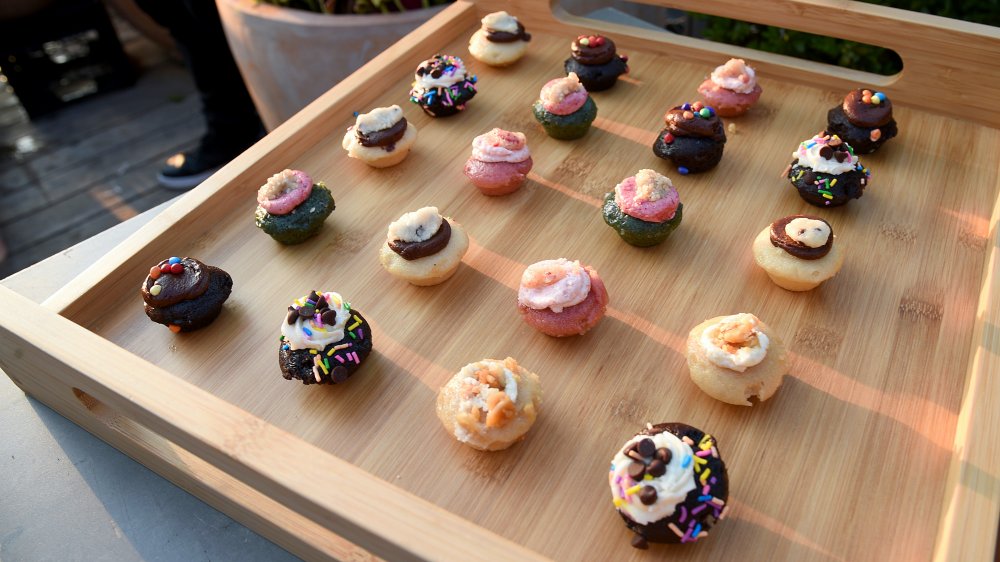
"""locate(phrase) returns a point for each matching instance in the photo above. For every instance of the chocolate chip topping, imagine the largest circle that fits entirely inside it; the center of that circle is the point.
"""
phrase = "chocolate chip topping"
(329, 317)
(189, 284)
(597, 50)
(415, 250)
(636, 470)
(690, 123)
(647, 495)
(866, 115)
(384, 137)
(494, 36)
(664, 455)
(657, 468)
(293, 315)
(646, 447)
(780, 239)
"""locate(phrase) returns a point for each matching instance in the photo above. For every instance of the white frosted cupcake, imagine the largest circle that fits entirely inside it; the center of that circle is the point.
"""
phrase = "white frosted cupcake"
(798, 252)
(424, 247)
(501, 41)
(381, 137)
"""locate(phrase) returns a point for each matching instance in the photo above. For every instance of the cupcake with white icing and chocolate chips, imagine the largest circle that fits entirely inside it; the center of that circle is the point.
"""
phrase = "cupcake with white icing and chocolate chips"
(380, 138)
(442, 86)
(501, 41)
(798, 252)
(669, 484)
(490, 404)
(826, 172)
(323, 340)
(734, 358)
(184, 294)
(644, 209)
(424, 247)
(291, 208)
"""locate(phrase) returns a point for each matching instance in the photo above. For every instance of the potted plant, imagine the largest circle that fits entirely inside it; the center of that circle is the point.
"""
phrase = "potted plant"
(291, 51)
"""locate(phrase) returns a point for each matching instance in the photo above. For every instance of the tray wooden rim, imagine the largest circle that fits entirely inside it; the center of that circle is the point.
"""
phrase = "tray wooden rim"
(24, 334)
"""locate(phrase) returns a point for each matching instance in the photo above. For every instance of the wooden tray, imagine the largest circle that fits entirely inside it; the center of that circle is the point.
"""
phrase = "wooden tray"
(881, 443)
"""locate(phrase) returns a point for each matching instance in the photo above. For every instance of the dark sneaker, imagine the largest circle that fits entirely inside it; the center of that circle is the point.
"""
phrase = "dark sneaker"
(187, 169)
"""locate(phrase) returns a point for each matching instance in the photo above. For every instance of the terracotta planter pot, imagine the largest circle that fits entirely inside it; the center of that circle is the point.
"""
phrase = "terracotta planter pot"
(289, 57)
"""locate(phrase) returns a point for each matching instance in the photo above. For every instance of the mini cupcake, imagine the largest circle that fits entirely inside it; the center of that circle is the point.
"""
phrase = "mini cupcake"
(501, 41)
(380, 138)
(644, 209)
(733, 358)
(826, 171)
(731, 89)
(424, 247)
(323, 340)
(490, 404)
(184, 294)
(291, 208)
(441, 86)
(693, 140)
(669, 484)
(798, 252)
(561, 297)
(864, 120)
(500, 162)
(564, 108)
(594, 59)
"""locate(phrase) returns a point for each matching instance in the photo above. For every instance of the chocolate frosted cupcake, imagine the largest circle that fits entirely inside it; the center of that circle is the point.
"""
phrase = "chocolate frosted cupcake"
(291, 208)
(595, 60)
(644, 209)
(826, 171)
(501, 41)
(669, 484)
(380, 138)
(441, 86)
(184, 294)
(864, 120)
(424, 247)
(693, 139)
(798, 252)
(323, 340)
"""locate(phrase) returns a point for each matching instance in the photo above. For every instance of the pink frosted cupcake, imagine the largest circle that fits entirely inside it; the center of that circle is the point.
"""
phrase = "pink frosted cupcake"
(564, 108)
(500, 162)
(731, 89)
(561, 297)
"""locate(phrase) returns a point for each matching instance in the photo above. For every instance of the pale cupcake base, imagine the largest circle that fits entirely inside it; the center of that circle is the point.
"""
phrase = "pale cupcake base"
(428, 270)
(529, 396)
(732, 387)
(495, 54)
(790, 272)
(376, 156)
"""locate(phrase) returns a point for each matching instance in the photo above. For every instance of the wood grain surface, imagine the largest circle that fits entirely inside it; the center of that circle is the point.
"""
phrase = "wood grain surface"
(849, 461)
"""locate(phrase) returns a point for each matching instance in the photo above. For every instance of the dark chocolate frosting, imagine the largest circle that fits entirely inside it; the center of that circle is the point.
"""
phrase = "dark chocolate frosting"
(415, 250)
(495, 36)
(780, 239)
(595, 49)
(692, 123)
(384, 137)
(867, 114)
(189, 284)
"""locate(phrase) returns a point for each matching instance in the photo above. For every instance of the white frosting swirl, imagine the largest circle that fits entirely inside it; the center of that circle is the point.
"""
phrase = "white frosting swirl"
(811, 232)
(671, 488)
(311, 332)
(500, 21)
(415, 226)
(498, 145)
(378, 119)
(553, 284)
(744, 356)
(809, 156)
(454, 76)
(735, 75)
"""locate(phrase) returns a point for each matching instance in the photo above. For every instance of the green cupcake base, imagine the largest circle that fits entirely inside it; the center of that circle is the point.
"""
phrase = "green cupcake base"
(638, 232)
(303, 222)
(566, 127)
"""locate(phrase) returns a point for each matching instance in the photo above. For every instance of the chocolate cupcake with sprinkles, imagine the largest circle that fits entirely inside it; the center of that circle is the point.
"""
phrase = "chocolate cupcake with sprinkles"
(864, 120)
(184, 294)
(693, 139)
(442, 86)
(323, 340)
(826, 171)
(669, 484)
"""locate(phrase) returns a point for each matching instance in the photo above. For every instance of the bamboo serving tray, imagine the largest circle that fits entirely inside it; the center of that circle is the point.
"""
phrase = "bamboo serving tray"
(882, 443)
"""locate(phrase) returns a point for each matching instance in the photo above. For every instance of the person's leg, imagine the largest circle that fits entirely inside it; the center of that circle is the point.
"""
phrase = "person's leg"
(231, 119)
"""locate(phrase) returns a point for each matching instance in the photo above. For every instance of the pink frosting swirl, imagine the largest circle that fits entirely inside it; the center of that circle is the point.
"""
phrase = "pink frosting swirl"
(553, 284)
(735, 75)
(647, 196)
(499, 145)
(284, 191)
(563, 96)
